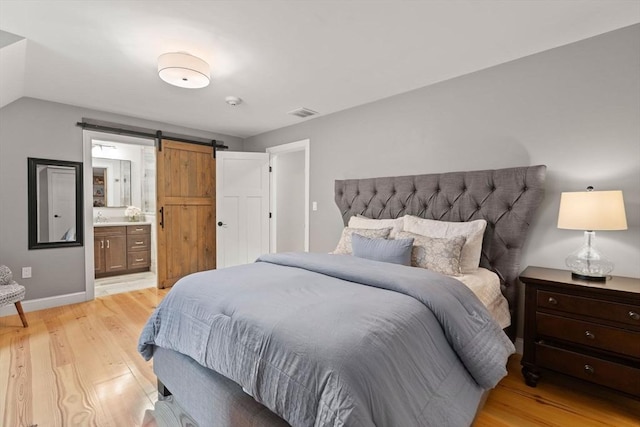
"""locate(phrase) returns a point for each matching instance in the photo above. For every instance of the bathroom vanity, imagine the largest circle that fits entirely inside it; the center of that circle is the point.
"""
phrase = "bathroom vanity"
(121, 248)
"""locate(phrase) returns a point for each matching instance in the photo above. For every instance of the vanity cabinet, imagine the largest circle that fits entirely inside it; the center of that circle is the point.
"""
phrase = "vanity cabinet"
(110, 244)
(122, 249)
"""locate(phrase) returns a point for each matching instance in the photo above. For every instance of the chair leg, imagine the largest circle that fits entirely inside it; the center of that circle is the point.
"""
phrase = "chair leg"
(21, 313)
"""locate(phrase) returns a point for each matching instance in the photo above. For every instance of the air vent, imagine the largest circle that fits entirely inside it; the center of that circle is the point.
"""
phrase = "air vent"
(302, 112)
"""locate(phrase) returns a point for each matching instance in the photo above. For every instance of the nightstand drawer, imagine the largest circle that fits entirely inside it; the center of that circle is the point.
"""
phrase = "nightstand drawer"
(606, 310)
(590, 334)
(621, 377)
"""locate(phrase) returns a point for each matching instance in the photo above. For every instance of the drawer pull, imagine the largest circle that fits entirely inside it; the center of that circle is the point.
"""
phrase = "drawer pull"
(590, 335)
(589, 369)
(139, 243)
(139, 259)
(553, 301)
(634, 315)
(139, 229)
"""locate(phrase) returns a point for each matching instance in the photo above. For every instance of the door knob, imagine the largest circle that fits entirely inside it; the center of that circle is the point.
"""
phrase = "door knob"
(57, 216)
(220, 223)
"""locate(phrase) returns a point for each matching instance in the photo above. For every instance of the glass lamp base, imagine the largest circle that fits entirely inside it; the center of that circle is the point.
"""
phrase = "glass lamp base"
(587, 263)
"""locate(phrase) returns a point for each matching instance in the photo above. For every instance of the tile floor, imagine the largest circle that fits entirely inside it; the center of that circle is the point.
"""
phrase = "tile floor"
(125, 283)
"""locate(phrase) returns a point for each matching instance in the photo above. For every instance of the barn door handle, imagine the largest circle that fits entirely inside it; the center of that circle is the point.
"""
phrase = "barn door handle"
(162, 217)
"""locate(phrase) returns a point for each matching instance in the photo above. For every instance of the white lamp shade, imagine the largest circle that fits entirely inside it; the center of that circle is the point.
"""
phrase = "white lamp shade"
(592, 210)
(183, 70)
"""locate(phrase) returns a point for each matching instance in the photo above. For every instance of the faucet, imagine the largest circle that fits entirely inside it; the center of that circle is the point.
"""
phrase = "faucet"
(100, 218)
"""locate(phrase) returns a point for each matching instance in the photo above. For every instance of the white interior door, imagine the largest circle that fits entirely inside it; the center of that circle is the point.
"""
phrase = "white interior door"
(242, 207)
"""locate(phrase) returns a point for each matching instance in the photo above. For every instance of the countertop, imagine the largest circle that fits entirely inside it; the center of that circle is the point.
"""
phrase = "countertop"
(120, 223)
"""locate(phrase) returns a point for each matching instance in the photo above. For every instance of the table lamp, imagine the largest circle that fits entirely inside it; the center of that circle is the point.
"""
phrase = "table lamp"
(590, 211)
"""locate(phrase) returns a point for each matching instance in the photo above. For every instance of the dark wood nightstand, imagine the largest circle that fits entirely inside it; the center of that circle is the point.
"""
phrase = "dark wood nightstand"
(589, 330)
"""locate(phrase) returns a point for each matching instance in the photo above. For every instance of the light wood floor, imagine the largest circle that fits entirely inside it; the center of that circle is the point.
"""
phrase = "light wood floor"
(78, 366)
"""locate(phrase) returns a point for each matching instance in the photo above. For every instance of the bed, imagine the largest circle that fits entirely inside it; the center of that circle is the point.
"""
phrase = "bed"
(465, 360)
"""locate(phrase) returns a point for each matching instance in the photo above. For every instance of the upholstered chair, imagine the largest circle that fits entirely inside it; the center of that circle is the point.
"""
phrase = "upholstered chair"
(11, 292)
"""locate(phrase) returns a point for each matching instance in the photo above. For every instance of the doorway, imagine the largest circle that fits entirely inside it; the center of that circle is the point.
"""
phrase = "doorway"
(120, 180)
(289, 197)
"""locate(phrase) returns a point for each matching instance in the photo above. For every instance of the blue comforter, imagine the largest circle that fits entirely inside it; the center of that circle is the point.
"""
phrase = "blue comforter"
(335, 340)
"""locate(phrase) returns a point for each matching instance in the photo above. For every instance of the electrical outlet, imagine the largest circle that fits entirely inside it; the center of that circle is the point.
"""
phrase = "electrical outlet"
(314, 206)
(26, 272)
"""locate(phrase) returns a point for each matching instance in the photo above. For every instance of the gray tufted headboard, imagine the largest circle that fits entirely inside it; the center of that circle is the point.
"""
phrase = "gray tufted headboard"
(506, 198)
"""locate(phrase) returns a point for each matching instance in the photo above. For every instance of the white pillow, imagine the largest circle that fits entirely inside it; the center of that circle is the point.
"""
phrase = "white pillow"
(376, 224)
(439, 254)
(473, 231)
(344, 245)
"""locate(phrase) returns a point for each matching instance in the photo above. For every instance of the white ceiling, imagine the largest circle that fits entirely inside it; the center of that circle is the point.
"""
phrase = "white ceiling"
(280, 55)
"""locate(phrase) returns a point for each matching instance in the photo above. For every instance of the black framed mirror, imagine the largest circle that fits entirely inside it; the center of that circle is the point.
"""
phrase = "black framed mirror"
(55, 203)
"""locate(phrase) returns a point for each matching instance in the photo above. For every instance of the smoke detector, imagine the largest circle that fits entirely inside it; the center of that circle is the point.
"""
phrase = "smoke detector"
(233, 100)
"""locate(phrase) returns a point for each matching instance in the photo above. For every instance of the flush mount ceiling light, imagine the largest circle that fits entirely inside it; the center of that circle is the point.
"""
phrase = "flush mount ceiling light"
(183, 70)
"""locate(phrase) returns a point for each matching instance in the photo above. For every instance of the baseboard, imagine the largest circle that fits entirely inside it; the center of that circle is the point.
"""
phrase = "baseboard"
(42, 303)
(519, 345)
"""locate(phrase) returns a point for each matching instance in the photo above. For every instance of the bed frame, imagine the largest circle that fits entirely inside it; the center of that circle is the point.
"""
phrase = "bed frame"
(505, 198)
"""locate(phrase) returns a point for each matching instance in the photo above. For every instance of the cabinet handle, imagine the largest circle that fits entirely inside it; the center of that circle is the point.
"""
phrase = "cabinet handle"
(139, 259)
(139, 243)
(139, 229)
(107, 243)
(634, 315)
(101, 244)
(590, 335)
(589, 369)
(553, 301)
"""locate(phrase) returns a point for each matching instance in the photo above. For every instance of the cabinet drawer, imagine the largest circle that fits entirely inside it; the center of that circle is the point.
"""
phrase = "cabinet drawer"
(139, 229)
(109, 231)
(138, 242)
(606, 310)
(622, 377)
(138, 259)
(590, 334)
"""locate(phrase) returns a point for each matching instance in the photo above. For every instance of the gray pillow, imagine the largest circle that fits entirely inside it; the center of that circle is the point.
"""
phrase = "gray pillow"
(394, 251)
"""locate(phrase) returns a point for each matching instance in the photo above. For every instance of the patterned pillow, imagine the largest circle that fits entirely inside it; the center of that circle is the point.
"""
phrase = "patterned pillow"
(473, 232)
(441, 255)
(6, 276)
(364, 222)
(344, 245)
(396, 251)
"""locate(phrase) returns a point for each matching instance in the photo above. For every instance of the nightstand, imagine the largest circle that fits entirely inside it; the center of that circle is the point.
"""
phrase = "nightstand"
(589, 330)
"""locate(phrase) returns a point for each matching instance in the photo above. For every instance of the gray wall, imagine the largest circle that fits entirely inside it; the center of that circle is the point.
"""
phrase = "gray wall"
(575, 108)
(35, 128)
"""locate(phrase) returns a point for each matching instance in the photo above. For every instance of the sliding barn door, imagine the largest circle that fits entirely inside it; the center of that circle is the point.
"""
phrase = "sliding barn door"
(187, 210)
